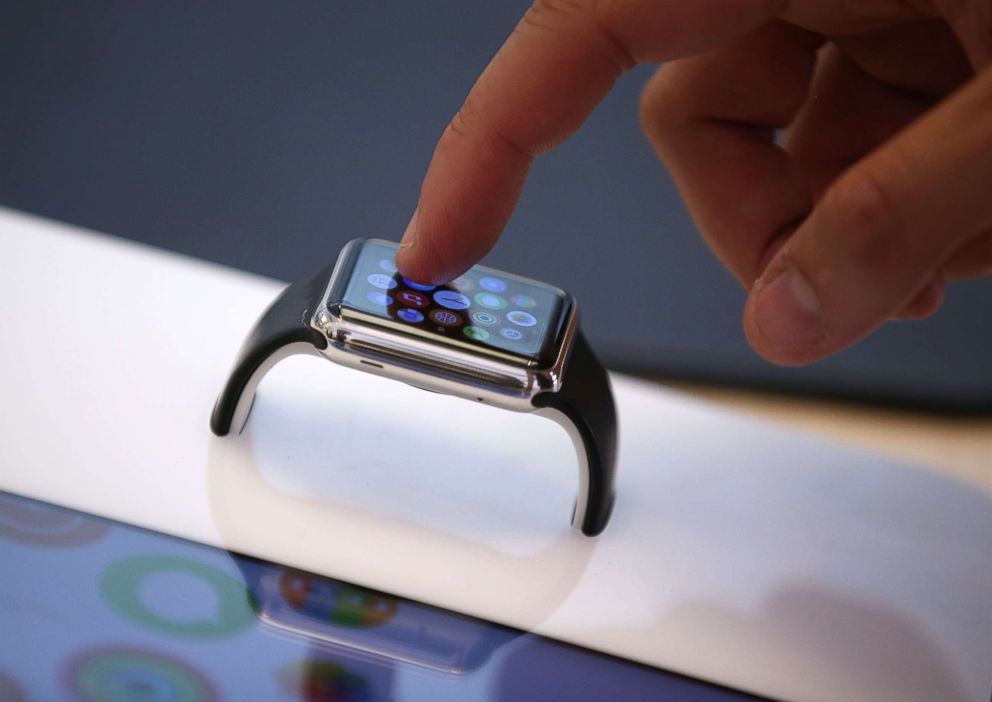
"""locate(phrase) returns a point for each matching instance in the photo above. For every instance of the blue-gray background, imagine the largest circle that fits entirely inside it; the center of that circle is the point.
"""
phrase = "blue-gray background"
(263, 135)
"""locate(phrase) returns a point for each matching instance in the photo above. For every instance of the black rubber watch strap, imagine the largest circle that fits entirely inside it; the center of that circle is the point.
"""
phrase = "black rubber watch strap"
(586, 401)
(285, 324)
(583, 405)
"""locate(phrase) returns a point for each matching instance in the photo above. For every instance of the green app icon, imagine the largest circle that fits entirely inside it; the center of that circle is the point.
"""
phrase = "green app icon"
(487, 318)
(475, 333)
(202, 602)
(130, 674)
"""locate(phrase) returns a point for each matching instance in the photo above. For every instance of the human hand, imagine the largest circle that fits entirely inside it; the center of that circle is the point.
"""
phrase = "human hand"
(879, 188)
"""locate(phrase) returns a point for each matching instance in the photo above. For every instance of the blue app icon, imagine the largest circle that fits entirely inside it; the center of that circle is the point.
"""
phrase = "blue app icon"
(408, 315)
(387, 265)
(521, 318)
(382, 281)
(490, 300)
(377, 297)
(418, 286)
(492, 284)
(463, 283)
(511, 333)
(452, 300)
(521, 300)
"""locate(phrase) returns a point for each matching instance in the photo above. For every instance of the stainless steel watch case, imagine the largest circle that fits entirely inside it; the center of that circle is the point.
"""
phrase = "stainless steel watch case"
(431, 365)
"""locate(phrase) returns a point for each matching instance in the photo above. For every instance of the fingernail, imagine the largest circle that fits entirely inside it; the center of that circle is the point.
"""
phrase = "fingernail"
(787, 311)
(410, 235)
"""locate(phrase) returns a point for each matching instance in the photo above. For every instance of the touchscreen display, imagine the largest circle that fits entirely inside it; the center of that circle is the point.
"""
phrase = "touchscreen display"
(98, 610)
(483, 307)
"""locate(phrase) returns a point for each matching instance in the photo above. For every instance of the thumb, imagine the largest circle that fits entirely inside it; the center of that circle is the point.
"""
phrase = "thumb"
(880, 234)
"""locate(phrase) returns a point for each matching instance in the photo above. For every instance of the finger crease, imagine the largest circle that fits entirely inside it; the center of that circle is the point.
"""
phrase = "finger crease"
(618, 51)
(760, 132)
(512, 145)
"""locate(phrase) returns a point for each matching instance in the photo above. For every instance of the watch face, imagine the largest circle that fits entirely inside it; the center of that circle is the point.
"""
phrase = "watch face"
(483, 310)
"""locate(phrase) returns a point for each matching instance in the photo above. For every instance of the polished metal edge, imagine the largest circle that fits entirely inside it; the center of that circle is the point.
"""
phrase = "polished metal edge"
(433, 366)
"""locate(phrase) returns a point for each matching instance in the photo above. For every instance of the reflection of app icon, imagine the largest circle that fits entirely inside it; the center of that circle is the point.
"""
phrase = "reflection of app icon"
(9, 690)
(350, 624)
(388, 265)
(475, 333)
(177, 596)
(418, 286)
(382, 281)
(413, 299)
(486, 318)
(492, 284)
(521, 318)
(330, 681)
(407, 315)
(113, 673)
(463, 283)
(446, 318)
(377, 297)
(511, 333)
(520, 300)
(451, 299)
(337, 603)
(34, 523)
(490, 300)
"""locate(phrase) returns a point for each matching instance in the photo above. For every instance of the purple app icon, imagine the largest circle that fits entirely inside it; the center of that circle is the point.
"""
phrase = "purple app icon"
(408, 315)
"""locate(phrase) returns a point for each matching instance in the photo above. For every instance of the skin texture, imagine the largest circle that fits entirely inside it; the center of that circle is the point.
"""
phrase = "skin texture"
(836, 156)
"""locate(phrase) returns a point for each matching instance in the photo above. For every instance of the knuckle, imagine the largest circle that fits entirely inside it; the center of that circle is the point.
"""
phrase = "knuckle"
(862, 199)
(548, 14)
(459, 123)
(870, 227)
(594, 18)
(464, 126)
(454, 134)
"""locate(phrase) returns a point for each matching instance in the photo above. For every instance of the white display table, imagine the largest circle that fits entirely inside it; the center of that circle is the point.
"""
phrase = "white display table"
(738, 553)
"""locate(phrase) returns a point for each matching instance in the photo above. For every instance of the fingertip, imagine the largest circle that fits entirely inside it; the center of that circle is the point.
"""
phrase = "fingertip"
(927, 301)
(783, 319)
(411, 265)
(415, 263)
(418, 260)
(411, 259)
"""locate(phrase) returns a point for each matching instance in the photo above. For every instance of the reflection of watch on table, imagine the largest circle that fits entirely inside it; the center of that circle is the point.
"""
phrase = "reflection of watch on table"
(358, 623)
(488, 336)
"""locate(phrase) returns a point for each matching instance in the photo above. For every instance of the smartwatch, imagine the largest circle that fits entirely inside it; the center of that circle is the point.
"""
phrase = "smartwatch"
(487, 336)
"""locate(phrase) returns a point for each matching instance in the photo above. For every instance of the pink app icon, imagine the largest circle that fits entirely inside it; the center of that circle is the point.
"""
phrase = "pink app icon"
(413, 299)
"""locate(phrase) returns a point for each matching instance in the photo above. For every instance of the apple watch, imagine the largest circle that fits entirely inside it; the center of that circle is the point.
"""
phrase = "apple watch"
(487, 336)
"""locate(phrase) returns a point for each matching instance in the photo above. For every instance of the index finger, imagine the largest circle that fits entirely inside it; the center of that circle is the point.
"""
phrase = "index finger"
(559, 63)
